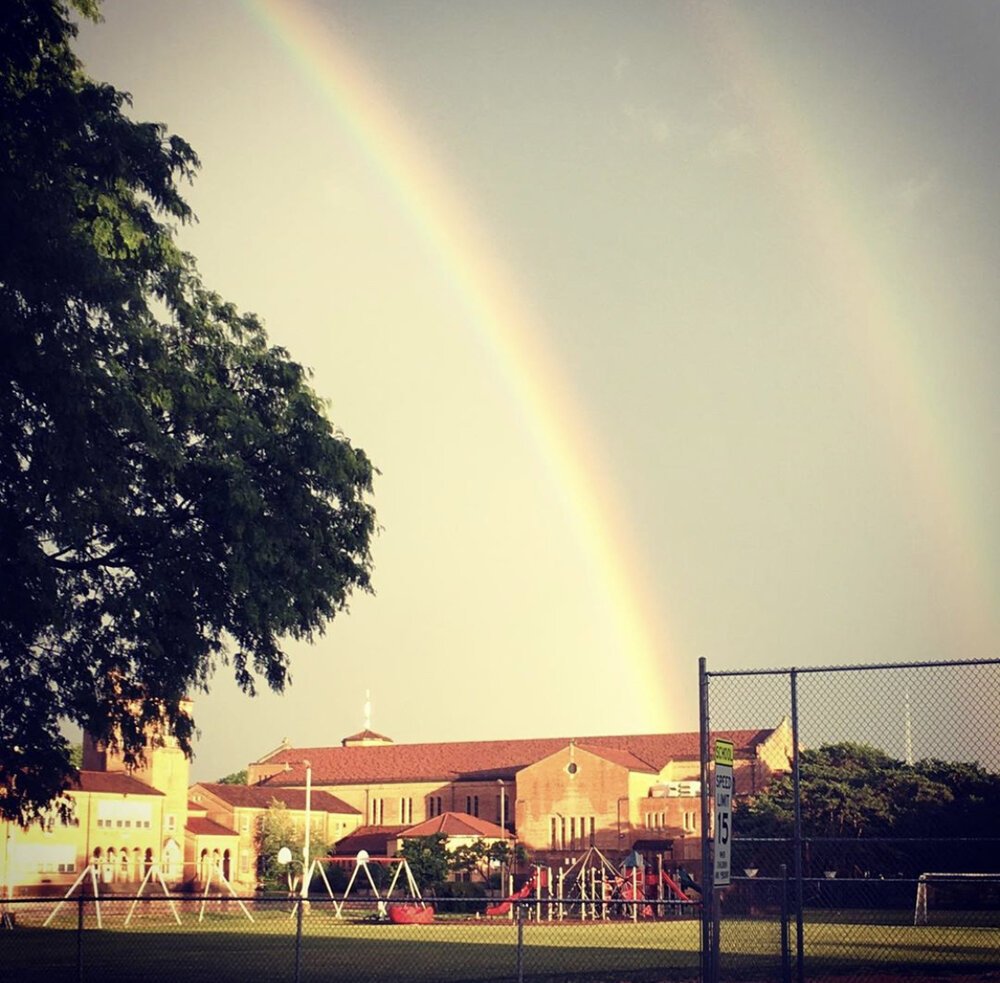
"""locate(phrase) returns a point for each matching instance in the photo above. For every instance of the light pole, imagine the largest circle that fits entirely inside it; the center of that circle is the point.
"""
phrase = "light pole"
(305, 845)
(502, 788)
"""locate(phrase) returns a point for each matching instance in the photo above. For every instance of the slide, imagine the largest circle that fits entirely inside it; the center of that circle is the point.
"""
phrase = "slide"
(504, 906)
(675, 887)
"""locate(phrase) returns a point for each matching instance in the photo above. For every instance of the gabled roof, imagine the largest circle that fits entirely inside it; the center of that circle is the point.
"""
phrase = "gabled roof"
(112, 781)
(482, 760)
(619, 756)
(261, 797)
(372, 839)
(200, 826)
(456, 824)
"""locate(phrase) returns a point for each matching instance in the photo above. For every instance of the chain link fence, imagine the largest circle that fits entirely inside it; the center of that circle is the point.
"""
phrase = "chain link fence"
(222, 939)
(874, 853)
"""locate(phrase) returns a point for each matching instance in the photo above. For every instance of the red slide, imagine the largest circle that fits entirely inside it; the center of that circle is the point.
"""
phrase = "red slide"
(504, 906)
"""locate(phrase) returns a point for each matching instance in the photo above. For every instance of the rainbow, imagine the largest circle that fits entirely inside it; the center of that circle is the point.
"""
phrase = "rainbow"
(511, 335)
(901, 374)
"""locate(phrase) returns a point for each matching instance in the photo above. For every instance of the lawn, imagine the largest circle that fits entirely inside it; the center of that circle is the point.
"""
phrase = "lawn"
(227, 947)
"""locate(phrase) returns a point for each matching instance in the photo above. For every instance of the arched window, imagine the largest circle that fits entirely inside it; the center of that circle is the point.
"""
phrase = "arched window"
(110, 863)
(171, 859)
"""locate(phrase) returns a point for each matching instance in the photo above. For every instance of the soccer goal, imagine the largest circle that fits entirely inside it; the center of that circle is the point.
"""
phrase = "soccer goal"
(931, 886)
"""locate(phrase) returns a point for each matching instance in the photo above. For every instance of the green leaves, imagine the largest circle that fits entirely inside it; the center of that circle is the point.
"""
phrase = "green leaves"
(171, 493)
(857, 792)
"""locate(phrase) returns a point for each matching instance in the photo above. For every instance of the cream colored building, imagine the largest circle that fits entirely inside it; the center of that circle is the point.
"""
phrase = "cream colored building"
(558, 796)
(555, 796)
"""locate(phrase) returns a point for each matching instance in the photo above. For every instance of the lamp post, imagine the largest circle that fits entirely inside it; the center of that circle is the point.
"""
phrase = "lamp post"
(502, 817)
(305, 845)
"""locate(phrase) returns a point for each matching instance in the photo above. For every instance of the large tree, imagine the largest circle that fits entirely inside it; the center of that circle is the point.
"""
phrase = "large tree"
(172, 494)
(862, 808)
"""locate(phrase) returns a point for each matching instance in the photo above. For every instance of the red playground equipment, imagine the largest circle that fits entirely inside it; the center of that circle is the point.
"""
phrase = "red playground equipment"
(594, 888)
(539, 880)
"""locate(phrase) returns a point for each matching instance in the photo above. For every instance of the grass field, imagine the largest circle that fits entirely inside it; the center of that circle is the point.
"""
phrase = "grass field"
(225, 948)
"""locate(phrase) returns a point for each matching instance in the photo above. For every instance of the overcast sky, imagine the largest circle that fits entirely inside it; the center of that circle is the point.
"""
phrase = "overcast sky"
(672, 328)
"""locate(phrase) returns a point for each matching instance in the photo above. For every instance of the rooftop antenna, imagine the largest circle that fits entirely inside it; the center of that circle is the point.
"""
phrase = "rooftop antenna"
(907, 729)
(368, 709)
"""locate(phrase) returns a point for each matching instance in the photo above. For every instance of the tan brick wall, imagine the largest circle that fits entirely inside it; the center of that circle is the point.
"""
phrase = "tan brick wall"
(551, 796)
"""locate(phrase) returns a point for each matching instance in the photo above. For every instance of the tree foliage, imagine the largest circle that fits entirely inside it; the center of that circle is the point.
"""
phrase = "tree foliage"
(235, 778)
(486, 860)
(854, 792)
(428, 859)
(276, 829)
(172, 494)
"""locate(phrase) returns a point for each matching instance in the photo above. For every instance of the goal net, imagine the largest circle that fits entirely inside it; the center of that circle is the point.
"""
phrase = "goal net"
(939, 890)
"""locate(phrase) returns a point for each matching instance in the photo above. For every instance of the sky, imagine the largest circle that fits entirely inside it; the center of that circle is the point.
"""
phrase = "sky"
(672, 329)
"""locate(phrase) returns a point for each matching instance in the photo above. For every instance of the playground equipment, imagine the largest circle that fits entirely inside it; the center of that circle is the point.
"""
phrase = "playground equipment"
(539, 879)
(154, 874)
(414, 911)
(592, 887)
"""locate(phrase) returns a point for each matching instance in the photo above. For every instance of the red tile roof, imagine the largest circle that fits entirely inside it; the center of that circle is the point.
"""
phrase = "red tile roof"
(456, 824)
(261, 797)
(112, 781)
(484, 760)
(200, 826)
(619, 757)
(372, 839)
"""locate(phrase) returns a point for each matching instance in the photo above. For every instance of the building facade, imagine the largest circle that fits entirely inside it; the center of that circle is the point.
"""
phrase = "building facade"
(554, 797)
(557, 796)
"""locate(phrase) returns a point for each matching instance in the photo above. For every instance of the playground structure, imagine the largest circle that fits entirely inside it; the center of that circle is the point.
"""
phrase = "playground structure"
(413, 911)
(592, 888)
(154, 875)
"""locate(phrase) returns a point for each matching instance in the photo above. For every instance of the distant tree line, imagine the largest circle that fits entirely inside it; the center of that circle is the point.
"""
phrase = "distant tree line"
(865, 813)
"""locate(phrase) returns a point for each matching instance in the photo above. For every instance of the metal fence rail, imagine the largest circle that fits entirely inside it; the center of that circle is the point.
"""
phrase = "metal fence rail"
(219, 940)
(834, 874)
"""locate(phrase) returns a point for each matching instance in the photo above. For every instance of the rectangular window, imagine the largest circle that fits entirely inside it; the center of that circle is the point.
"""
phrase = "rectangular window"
(244, 861)
(552, 824)
(244, 824)
(171, 822)
(572, 832)
(475, 805)
(593, 839)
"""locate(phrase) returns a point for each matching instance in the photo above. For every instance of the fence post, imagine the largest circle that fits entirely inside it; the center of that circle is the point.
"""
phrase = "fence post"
(519, 918)
(707, 891)
(79, 939)
(298, 940)
(797, 834)
(786, 956)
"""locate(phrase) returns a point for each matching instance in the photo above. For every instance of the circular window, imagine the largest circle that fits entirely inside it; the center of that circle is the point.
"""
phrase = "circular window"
(571, 768)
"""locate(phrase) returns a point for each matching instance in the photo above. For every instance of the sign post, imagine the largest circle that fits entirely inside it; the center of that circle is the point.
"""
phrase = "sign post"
(723, 812)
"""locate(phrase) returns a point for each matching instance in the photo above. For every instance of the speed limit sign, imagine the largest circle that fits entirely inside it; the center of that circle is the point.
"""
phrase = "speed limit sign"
(723, 811)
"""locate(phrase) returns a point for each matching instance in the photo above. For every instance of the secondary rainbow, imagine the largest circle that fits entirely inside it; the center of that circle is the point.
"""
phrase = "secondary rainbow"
(510, 332)
(901, 374)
